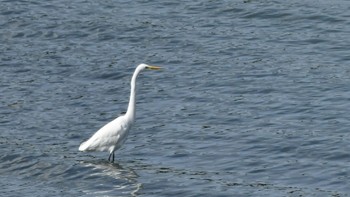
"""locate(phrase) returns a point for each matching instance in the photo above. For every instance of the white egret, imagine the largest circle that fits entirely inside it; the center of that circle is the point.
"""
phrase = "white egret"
(111, 136)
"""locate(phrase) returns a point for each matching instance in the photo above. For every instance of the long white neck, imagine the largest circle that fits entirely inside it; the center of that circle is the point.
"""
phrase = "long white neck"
(132, 102)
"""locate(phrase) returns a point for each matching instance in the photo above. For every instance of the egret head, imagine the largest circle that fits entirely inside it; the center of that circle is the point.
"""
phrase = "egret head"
(145, 66)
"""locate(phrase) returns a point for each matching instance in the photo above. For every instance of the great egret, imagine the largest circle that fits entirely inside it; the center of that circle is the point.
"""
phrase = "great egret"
(111, 136)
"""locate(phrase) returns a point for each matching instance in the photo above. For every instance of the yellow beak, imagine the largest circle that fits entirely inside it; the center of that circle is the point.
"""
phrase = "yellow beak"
(153, 67)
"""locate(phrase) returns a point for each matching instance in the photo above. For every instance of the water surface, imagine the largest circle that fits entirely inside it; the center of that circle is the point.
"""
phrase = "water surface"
(253, 99)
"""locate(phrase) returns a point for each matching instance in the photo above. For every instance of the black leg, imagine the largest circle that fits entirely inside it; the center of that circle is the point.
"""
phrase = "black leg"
(109, 158)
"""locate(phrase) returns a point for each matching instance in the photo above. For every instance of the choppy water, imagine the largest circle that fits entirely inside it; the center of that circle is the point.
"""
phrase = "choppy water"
(253, 99)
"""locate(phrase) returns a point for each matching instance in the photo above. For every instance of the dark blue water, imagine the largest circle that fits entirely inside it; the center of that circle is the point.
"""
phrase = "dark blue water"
(253, 99)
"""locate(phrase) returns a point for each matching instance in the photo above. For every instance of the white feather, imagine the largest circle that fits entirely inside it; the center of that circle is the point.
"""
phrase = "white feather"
(111, 136)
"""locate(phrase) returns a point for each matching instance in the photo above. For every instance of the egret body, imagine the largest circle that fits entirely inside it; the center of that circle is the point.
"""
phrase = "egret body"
(111, 136)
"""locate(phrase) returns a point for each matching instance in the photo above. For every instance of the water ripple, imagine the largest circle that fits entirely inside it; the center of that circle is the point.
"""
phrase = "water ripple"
(252, 99)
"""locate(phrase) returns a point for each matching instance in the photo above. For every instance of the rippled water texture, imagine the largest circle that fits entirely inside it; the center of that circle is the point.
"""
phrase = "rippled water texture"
(253, 99)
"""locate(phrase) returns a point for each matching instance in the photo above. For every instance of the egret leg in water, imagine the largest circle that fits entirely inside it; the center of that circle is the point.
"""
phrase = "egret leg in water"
(109, 158)
(112, 136)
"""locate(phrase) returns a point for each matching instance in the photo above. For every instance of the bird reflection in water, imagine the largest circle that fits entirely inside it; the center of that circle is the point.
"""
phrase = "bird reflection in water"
(121, 179)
